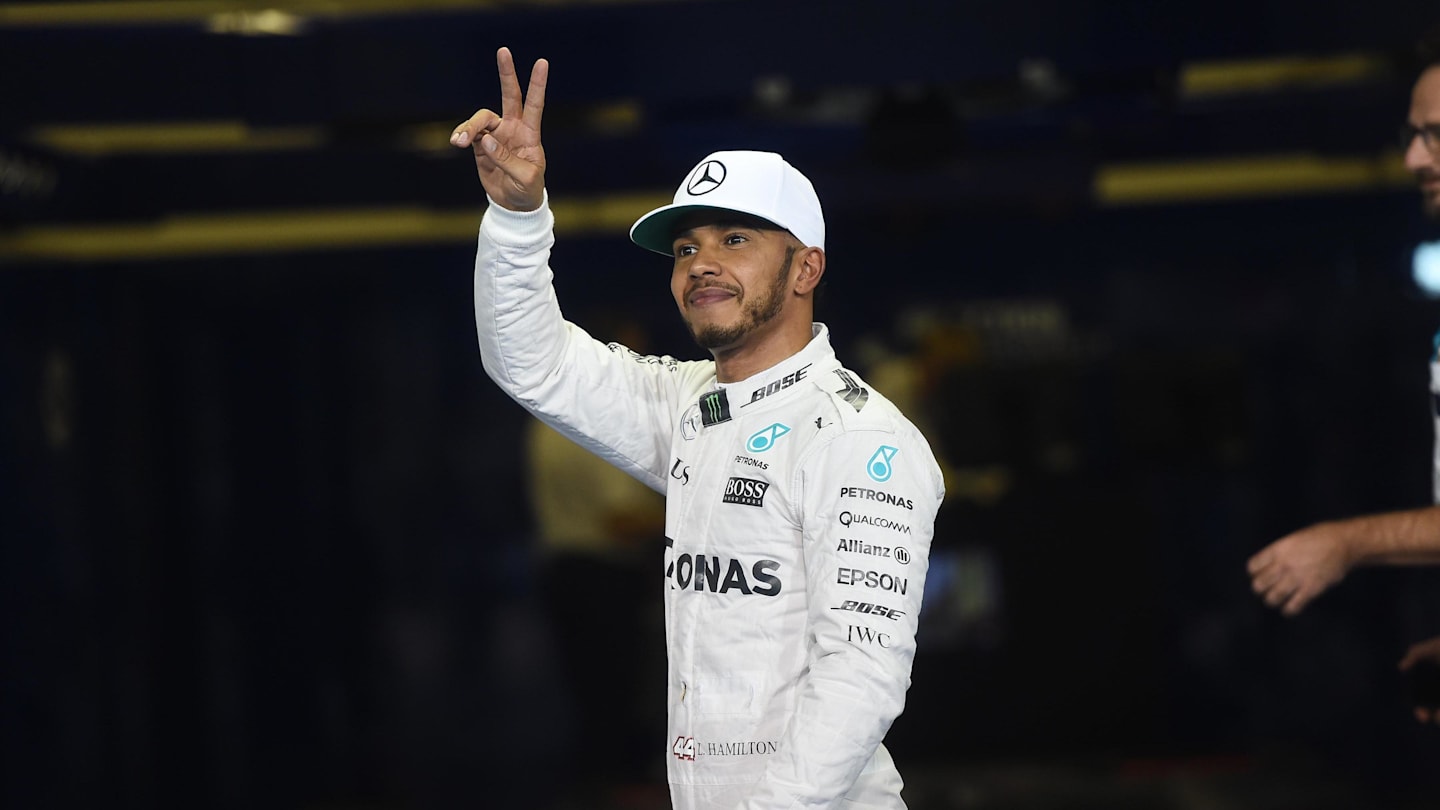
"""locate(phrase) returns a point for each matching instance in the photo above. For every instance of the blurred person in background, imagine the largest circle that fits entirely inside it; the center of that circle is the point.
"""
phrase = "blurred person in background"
(800, 502)
(1292, 571)
(598, 530)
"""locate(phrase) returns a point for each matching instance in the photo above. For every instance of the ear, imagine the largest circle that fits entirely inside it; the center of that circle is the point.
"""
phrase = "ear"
(810, 266)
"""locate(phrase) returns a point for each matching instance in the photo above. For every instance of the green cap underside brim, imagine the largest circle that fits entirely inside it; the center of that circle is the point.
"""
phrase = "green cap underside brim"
(656, 230)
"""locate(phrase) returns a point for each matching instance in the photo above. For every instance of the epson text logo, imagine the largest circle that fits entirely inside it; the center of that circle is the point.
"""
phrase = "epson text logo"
(872, 579)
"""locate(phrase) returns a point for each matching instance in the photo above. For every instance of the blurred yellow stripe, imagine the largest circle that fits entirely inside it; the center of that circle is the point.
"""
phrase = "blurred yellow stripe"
(1233, 178)
(303, 230)
(126, 12)
(173, 136)
(1264, 75)
(95, 139)
(334, 229)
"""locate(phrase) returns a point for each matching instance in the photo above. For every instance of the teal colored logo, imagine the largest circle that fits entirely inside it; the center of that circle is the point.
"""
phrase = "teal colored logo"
(765, 438)
(879, 464)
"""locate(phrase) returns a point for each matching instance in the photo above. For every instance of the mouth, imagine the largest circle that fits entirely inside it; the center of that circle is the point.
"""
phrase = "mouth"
(706, 296)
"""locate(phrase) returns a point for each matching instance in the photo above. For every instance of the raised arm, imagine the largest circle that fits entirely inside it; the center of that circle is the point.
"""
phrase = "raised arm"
(619, 406)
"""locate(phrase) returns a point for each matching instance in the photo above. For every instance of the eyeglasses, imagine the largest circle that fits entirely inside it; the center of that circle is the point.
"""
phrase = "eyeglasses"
(1429, 135)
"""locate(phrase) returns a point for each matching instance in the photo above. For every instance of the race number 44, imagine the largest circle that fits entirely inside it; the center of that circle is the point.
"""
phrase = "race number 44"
(684, 748)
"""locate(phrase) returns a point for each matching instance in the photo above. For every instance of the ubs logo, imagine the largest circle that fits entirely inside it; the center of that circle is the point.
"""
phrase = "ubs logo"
(680, 472)
(706, 178)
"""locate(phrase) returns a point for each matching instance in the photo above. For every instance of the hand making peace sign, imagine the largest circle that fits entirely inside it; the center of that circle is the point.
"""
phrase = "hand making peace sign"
(508, 154)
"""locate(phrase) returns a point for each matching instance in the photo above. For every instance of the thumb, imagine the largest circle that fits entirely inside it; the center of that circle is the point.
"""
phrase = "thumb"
(498, 152)
(522, 172)
(488, 152)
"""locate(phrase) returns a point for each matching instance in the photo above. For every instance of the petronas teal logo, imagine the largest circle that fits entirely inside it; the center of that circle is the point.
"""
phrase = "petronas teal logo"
(879, 465)
(765, 438)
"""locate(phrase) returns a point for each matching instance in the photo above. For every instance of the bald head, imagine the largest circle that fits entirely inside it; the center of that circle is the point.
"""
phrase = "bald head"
(1422, 153)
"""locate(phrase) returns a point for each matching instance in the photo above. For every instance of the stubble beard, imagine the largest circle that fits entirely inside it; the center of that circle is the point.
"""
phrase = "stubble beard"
(1429, 197)
(754, 313)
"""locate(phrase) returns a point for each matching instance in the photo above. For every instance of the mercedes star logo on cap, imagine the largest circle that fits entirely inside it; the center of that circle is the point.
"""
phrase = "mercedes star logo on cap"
(706, 178)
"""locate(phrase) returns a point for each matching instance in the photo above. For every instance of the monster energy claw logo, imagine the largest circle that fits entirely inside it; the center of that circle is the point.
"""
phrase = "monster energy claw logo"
(714, 408)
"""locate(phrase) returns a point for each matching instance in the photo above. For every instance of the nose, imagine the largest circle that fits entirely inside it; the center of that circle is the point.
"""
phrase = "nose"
(704, 262)
(1417, 155)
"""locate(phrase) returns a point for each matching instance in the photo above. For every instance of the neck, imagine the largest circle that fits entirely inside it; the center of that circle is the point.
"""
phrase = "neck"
(746, 359)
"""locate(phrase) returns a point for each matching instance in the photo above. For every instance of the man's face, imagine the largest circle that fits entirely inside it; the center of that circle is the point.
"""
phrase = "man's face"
(731, 280)
(1419, 159)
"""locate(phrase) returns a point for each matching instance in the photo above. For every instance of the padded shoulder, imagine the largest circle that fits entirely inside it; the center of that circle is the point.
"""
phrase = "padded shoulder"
(857, 406)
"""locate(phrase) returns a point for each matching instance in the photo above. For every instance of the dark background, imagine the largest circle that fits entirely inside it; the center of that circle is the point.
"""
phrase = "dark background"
(263, 535)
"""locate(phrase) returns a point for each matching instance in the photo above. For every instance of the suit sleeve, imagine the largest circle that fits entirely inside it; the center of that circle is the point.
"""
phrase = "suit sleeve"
(869, 500)
(615, 403)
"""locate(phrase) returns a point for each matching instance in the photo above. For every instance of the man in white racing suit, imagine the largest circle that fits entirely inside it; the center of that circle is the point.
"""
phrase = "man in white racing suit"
(800, 503)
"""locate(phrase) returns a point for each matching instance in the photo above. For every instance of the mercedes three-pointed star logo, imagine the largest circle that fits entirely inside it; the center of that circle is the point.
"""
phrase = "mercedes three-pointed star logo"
(706, 178)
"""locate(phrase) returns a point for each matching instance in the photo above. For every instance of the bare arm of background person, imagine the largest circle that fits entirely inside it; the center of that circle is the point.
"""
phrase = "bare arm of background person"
(508, 154)
(1298, 567)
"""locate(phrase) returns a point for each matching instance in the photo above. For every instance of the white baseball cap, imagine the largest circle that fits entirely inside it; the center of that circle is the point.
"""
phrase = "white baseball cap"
(760, 184)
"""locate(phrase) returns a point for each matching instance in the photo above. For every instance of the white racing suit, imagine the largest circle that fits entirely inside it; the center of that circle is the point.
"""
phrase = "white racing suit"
(800, 508)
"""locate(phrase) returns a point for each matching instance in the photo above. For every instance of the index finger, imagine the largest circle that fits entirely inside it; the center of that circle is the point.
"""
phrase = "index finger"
(1259, 562)
(478, 124)
(1411, 656)
(535, 96)
(1415, 653)
(509, 84)
(1296, 603)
